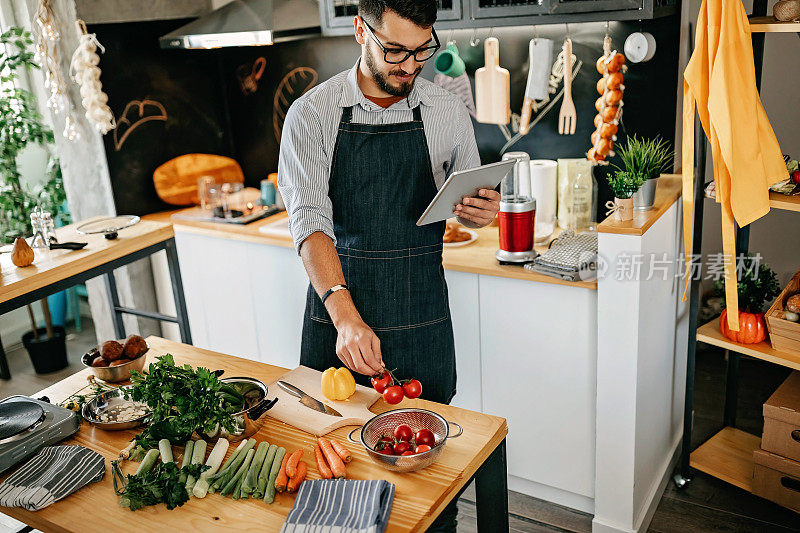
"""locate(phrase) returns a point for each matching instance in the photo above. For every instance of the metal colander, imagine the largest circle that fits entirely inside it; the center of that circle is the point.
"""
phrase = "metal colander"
(384, 424)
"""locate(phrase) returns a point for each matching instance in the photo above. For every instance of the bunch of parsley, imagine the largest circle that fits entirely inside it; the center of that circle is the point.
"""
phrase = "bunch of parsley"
(182, 400)
(160, 484)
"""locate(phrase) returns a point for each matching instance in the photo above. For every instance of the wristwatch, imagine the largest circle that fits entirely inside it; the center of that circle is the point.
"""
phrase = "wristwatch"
(332, 290)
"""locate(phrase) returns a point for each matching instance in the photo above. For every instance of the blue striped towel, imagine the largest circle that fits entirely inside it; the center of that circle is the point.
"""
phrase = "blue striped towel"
(54, 473)
(341, 506)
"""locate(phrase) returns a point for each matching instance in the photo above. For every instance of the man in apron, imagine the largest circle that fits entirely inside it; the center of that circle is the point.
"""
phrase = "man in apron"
(361, 157)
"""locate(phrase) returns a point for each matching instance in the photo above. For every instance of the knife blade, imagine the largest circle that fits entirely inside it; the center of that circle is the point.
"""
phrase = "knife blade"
(308, 401)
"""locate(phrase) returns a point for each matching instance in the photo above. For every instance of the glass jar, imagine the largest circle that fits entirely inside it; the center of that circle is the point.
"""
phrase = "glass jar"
(579, 210)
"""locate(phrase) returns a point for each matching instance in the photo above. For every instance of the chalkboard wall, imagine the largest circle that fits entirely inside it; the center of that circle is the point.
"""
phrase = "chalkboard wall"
(222, 101)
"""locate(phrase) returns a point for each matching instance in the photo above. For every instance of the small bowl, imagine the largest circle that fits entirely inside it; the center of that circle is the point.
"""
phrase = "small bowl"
(249, 420)
(94, 408)
(384, 424)
(113, 374)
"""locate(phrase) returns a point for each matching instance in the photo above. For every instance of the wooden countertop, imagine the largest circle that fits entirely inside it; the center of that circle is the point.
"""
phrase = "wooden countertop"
(476, 258)
(667, 193)
(50, 266)
(418, 498)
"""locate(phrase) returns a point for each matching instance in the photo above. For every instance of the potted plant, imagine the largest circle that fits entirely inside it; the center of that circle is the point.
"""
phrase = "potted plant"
(20, 126)
(646, 159)
(623, 184)
(757, 285)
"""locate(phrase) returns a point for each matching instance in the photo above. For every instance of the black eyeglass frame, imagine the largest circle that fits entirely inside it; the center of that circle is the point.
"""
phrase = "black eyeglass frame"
(408, 52)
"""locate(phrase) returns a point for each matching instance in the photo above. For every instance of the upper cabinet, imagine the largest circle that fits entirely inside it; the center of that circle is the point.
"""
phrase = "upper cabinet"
(337, 15)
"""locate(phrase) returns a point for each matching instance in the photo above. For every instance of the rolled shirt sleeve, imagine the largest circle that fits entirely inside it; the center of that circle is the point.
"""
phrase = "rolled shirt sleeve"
(303, 174)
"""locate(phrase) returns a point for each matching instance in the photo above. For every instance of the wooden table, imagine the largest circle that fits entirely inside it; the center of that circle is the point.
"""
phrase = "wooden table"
(419, 498)
(56, 270)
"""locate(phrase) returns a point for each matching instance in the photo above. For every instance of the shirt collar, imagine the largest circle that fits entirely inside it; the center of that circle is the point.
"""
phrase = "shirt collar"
(352, 95)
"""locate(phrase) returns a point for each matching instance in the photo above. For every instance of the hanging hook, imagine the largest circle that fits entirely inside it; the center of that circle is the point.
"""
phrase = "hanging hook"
(535, 33)
(491, 32)
(474, 40)
(450, 37)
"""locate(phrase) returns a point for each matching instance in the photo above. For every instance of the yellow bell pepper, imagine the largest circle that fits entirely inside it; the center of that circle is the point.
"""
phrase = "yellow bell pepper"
(338, 384)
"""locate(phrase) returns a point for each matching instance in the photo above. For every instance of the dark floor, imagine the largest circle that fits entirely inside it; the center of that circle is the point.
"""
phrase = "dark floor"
(706, 504)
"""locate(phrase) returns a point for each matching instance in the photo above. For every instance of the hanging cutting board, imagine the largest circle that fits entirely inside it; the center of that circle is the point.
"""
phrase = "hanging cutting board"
(492, 87)
(176, 180)
(355, 410)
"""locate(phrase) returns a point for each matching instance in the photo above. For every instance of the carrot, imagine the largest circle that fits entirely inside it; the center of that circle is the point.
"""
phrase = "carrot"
(343, 452)
(282, 480)
(322, 466)
(334, 461)
(299, 477)
(291, 464)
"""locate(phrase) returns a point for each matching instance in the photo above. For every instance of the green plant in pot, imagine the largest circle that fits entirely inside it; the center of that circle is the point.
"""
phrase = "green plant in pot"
(623, 184)
(21, 126)
(757, 285)
(646, 159)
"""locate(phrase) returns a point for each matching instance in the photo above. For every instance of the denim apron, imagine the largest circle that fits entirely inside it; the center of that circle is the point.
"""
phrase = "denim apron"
(380, 183)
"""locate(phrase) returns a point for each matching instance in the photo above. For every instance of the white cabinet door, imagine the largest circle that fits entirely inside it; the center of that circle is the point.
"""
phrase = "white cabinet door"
(278, 282)
(538, 355)
(218, 296)
(463, 292)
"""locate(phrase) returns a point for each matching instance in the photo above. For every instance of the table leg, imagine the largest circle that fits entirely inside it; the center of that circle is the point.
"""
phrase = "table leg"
(113, 302)
(491, 491)
(5, 371)
(177, 291)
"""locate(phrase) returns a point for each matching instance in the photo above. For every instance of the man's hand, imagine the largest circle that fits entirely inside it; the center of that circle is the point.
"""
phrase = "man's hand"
(358, 347)
(479, 210)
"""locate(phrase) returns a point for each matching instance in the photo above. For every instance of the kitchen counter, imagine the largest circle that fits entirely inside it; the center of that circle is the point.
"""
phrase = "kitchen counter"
(419, 497)
(475, 258)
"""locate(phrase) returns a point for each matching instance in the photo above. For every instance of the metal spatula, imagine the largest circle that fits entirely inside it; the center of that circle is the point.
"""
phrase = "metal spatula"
(568, 117)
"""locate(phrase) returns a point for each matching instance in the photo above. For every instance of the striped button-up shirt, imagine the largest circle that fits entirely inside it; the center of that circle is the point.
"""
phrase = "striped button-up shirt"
(309, 137)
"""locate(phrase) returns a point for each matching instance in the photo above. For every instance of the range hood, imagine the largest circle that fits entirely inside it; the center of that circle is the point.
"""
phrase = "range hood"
(248, 23)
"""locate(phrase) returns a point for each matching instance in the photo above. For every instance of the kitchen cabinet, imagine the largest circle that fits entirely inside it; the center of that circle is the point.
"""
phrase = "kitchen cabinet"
(336, 16)
(538, 370)
(463, 291)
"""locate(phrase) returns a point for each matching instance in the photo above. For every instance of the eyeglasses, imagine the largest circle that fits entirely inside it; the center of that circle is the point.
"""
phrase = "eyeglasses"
(399, 55)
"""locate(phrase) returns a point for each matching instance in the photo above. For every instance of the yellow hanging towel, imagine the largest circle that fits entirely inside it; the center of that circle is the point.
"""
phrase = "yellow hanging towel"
(720, 80)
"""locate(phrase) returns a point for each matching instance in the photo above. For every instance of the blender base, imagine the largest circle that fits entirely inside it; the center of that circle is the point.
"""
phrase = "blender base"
(515, 258)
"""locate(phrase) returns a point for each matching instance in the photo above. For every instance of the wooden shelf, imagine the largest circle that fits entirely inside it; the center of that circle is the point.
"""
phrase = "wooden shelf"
(709, 333)
(772, 25)
(781, 201)
(728, 455)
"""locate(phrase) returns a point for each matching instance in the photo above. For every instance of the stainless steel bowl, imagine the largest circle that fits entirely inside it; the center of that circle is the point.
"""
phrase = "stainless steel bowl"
(384, 424)
(106, 400)
(113, 374)
(248, 421)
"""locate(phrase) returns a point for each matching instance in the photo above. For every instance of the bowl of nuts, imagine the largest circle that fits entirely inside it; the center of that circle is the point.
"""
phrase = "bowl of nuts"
(113, 361)
(111, 411)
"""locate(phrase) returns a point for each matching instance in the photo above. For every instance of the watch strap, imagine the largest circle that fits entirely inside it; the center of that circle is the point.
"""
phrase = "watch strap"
(333, 289)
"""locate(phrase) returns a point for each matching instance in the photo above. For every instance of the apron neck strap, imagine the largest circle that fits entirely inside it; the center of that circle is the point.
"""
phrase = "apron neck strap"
(347, 115)
(417, 114)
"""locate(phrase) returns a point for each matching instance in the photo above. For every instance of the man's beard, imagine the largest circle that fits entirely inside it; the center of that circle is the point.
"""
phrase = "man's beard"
(383, 82)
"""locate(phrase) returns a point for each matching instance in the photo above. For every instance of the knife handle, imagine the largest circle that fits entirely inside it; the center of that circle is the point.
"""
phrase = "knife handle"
(291, 389)
(525, 118)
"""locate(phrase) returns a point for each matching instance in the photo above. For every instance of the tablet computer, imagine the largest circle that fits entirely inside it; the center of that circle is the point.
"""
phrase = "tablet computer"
(462, 184)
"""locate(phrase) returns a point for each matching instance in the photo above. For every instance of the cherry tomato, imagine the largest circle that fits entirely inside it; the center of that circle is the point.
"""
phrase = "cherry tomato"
(381, 381)
(385, 441)
(422, 448)
(403, 432)
(393, 394)
(385, 451)
(408, 452)
(412, 388)
(425, 436)
(401, 447)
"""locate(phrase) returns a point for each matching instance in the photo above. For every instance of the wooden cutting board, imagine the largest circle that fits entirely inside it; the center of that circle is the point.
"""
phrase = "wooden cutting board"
(355, 410)
(176, 180)
(492, 87)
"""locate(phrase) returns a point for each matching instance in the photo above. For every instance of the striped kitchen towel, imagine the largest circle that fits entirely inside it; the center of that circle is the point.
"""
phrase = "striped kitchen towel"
(341, 506)
(54, 473)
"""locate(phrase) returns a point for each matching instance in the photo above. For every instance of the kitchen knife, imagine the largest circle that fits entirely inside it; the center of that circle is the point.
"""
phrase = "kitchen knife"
(540, 52)
(308, 401)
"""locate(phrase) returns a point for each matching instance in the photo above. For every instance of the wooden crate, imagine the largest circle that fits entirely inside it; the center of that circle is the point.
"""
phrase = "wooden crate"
(783, 334)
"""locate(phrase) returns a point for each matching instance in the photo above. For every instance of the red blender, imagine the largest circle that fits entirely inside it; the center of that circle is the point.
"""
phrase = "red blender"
(517, 213)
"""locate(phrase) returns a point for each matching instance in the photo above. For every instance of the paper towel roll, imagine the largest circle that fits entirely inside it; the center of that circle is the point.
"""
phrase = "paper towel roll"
(544, 177)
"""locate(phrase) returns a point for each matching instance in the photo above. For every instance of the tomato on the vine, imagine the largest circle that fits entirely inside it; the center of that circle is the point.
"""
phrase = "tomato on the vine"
(385, 451)
(422, 448)
(401, 447)
(412, 388)
(408, 452)
(424, 436)
(393, 394)
(381, 381)
(403, 432)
